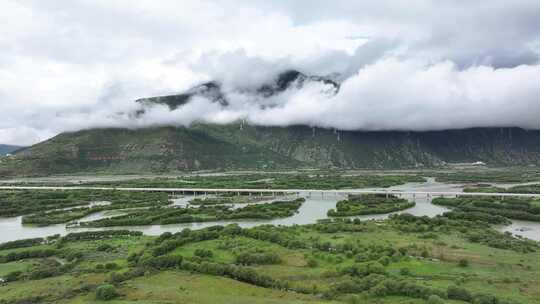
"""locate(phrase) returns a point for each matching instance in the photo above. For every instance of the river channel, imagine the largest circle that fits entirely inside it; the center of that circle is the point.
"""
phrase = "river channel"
(313, 209)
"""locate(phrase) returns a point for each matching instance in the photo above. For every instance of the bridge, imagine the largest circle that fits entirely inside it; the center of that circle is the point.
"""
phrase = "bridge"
(274, 192)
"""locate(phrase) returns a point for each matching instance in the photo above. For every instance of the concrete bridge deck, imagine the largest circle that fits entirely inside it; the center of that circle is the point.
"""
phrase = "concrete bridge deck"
(176, 191)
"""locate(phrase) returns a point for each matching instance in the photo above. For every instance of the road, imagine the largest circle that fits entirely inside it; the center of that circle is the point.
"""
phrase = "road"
(275, 191)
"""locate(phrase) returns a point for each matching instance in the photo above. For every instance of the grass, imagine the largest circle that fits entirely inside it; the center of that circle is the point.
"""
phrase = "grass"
(502, 272)
(183, 287)
(14, 266)
(504, 175)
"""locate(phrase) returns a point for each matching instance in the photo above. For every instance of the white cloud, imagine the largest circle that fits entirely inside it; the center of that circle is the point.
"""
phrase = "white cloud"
(405, 64)
(409, 95)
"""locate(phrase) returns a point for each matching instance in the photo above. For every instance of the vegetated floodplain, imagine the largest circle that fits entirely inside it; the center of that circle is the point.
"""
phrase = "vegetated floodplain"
(369, 204)
(509, 207)
(484, 188)
(47, 207)
(227, 200)
(534, 189)
(261, 181)
(203, 213)
(404, 259)
(507, 175)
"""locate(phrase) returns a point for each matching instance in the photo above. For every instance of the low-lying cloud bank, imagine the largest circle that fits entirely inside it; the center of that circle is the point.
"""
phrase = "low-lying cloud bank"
(390, 94)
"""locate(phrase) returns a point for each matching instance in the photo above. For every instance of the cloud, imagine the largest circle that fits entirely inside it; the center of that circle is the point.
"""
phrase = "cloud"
(409, 95)
(394, 94)
(407, 65)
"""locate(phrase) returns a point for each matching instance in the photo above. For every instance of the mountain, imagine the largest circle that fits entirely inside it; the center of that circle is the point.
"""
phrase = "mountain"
(210, 90)
(6, 149)
(201, 147)
(213, 90)
(239, 146)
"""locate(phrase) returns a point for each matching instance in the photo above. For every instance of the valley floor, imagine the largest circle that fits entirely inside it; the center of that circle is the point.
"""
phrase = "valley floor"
(341, 262)
(456, 255)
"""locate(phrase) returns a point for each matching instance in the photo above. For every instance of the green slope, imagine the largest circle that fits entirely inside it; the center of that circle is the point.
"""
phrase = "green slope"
(202, 147)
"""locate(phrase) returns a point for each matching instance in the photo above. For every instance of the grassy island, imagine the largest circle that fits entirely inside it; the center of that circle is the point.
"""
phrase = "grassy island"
(369, 204)
(166, 215)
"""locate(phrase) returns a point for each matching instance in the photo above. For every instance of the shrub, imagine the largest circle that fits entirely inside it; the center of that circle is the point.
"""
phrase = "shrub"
(362, 270)
(385, 260)
(458, 293)
(435, 299)
(106, 292)
(463, 263)
(13, 276)
(72, 256)
(485, 299)
(405, 272)
(312, 263)
(163, 262)
(105, 247)
(203, 253)
(21, 243)
(111, 266)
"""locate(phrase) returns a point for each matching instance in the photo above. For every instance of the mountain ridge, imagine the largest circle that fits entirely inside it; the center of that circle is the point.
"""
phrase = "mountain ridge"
(236, 146)
(214, 91)
(241, 146)
(7, 149)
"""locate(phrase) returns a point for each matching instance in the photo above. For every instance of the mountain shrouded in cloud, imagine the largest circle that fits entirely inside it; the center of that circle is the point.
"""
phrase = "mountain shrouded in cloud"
(385, 65)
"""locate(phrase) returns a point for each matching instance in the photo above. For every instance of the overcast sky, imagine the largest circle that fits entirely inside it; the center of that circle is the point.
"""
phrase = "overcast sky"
(405, 65)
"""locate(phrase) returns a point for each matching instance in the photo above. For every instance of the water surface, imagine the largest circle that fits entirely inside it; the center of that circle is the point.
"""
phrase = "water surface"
(315, 208)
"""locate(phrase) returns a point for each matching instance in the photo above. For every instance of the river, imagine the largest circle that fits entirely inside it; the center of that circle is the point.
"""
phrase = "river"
(313, 209)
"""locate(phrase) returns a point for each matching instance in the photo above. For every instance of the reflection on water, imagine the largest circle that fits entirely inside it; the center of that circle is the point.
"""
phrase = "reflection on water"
(313, 209)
